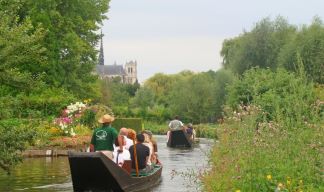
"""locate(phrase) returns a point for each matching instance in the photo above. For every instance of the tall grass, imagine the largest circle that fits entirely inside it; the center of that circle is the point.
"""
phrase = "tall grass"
(274, 142)
(268, 158)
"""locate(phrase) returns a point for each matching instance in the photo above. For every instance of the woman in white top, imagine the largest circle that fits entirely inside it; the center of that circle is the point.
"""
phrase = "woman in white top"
(121, 156)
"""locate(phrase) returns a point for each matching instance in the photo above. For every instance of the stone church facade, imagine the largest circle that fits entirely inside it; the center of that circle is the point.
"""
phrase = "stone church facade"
(126, 73)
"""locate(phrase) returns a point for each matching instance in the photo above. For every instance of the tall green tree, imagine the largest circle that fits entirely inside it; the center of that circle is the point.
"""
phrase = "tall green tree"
(70, 40)
(21, 51)
(258, 47)
(308, 43)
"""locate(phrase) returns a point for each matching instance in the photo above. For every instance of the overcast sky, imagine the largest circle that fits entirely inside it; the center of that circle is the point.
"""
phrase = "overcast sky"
(169, 36)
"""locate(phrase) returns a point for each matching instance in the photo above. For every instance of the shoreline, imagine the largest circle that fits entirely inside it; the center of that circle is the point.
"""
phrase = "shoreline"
(29, 153)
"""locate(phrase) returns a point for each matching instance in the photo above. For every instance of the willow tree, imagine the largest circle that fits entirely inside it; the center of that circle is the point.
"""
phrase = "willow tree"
(258, 47)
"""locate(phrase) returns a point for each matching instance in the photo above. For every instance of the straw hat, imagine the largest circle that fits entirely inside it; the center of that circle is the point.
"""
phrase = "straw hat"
(106, 119)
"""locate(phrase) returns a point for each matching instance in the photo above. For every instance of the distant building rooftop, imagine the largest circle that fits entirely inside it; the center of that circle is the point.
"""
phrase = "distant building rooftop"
(110, 70)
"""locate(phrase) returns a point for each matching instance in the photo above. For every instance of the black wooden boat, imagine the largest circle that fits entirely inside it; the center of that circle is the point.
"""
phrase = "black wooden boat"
(179, 139)
(95, 172)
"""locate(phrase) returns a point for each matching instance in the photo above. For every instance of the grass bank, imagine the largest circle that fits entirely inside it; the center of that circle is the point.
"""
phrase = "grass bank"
(268, 157)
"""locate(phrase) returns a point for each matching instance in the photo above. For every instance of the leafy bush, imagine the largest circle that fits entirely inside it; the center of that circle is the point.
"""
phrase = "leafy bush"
(271, 157)
(88, 118)
(133, 123)
(15, 135)
(206, 130)
(272, 142)
(281, 95)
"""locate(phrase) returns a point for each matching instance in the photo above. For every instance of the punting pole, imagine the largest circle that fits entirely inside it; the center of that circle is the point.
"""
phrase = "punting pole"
(135, 155)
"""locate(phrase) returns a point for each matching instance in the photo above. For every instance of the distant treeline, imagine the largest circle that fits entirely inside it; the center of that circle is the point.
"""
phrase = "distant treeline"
(200, 97)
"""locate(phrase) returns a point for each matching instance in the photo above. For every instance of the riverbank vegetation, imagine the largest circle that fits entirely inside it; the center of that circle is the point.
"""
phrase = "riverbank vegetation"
(272, 135)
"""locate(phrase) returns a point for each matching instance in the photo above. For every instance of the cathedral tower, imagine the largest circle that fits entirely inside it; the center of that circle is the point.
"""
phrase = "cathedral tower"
(131, 71)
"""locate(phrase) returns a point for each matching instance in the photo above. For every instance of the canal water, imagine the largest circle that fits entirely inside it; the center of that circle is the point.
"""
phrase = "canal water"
(181, 169)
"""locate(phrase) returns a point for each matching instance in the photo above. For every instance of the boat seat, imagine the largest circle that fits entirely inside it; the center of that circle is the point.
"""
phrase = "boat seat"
(143, 174)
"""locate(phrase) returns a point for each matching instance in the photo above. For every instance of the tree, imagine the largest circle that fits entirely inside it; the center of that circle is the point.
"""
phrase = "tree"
(21, 51)
(309, 44)
(259, 47)
(70, 40)
(144, 99)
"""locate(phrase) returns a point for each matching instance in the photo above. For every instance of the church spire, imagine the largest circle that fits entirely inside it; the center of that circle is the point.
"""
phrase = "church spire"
(101, 53)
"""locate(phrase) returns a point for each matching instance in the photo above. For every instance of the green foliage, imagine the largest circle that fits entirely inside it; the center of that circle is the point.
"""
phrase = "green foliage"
(206, 130)
(273, 157)
(21, 52)
(273, 115)
(15, 135)
(161, 85)
(281, 95)
(144, 98)
(307, 46)
(159, 128)
(70, 40)
(40, 104)
(50, 42)
(117, 95)
(88, 118)
(133, 123)
(271, 44)
(195, 97)
(259, 47)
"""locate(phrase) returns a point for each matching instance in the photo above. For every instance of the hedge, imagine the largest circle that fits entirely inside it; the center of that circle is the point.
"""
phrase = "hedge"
(133, 123)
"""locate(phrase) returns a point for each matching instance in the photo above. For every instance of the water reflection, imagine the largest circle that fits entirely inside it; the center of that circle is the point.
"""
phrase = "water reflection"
(53, 174)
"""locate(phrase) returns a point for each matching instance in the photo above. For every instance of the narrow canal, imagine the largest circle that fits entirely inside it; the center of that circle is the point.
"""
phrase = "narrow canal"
(180, 167)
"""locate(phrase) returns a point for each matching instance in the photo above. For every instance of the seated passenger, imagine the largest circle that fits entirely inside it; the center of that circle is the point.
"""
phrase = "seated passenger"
(120, 155)
(147, 142)
(152, 140)
(190, 131)
(124, 132)
(142, 154)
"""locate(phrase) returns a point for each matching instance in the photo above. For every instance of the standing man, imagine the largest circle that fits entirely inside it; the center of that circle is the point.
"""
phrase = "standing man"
(104, 137)
(175, 124)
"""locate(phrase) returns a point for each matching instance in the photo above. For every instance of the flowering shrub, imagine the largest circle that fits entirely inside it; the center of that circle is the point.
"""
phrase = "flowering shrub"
(65, 125)
(75, 110)
(69, 118)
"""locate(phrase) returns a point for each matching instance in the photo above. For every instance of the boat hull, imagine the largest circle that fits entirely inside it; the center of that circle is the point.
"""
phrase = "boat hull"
(95, 172)
(179, 139)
